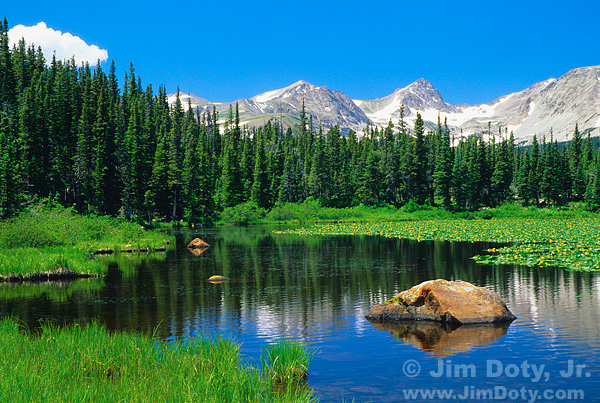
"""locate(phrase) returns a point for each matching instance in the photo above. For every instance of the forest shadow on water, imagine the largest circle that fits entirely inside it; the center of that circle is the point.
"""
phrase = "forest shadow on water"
(318, 289)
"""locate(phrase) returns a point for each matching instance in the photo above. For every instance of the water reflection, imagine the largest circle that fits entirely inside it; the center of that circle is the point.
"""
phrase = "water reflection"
(319, 289)
(442, 340)
(292, 285)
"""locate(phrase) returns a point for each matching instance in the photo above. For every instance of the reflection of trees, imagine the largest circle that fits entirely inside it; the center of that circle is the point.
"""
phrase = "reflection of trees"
(289, 284)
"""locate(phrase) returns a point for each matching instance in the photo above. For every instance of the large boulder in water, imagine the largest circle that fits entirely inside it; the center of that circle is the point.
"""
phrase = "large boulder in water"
(451, 302)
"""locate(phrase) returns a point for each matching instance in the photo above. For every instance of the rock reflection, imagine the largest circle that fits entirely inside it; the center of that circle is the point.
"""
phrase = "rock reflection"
(197, 251)
(442, 340)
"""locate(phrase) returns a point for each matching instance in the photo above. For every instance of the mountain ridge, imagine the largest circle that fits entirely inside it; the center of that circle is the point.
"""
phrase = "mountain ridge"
(556, 105)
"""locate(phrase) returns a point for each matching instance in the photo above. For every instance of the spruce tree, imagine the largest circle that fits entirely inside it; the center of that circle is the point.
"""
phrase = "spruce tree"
(535, 172)
(8, 99)
(10, 189)
(502, 175)
(420, 189)
(317, 178)
(260, 184)
(576, 165)
(158, 196)
(443, 168)
(191, 174)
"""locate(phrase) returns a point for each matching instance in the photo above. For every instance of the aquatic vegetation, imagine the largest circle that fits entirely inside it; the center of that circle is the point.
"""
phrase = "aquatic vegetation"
(572, 243)
(86, 363)
(287, 360)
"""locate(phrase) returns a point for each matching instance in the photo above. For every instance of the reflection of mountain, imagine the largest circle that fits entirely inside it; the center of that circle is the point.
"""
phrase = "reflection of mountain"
(441, 340)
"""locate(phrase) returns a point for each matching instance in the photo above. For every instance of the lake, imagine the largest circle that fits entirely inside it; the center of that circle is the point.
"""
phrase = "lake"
(318, 289)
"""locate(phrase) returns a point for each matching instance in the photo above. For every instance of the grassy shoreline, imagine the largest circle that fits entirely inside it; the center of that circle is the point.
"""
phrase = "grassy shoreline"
(86, 363)
(311, 211)
(50, 242)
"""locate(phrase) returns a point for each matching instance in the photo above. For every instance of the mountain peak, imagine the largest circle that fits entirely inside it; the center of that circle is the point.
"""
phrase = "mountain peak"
(421, 83)
(299, 85)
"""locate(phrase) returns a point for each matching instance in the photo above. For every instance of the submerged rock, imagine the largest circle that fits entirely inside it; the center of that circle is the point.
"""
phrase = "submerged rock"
(198, 243)
(451, 302)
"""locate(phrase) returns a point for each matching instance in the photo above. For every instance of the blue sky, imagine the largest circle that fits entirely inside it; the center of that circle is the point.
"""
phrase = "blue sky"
(472, 52)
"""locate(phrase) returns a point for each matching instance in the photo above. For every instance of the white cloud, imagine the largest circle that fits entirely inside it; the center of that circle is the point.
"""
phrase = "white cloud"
(65, 44)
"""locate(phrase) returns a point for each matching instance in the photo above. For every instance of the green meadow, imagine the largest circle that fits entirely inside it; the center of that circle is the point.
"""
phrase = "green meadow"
(54, 239)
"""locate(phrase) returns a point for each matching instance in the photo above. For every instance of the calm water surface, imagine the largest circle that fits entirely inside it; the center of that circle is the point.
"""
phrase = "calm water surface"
(319, 289)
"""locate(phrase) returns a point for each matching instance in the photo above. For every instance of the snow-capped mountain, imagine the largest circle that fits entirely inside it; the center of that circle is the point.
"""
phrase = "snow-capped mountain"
(554, 104)
(419, 96)
(325, 106)
(189, 99)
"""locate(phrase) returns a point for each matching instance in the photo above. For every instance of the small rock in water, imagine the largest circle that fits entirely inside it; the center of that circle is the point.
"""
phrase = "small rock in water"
(198, 243)
(217, 279)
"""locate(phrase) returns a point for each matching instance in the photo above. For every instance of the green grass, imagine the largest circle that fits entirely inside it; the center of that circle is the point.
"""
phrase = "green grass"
(48, 238)
(572, 243)
(287, 361)
(311, 211)
(86, 363)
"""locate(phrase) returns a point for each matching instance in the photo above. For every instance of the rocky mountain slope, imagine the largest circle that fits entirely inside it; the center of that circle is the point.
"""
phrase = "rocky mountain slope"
(327, 107)
(554, 104)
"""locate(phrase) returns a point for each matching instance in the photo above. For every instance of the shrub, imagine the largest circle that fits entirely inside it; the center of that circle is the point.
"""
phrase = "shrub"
(243, 214)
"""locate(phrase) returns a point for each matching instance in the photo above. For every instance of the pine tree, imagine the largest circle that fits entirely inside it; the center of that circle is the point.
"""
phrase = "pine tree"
(8, 100)
(260, 184)
(593, 192)
(460, 184)
(576, 165)
(191, 174)
(176, 156)
(83, 159)
(522, 178)
(420, 189)
(389, 165)
(535, 172)
(502, 175)
(248, 148)
(232, 186)
(367, 191)
(443, 169)
(10, 189)
(288, 189)
(206, 177)
(157, 197)
(317, 178)
(551, 182)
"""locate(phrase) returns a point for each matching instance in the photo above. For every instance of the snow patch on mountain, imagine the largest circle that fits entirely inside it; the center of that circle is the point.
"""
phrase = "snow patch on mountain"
(552, 105)
(285, 92)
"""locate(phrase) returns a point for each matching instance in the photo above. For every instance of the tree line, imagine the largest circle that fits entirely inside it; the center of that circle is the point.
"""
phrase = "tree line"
(74, 134)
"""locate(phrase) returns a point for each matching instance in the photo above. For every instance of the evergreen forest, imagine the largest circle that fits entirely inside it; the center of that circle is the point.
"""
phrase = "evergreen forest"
(85, 138)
